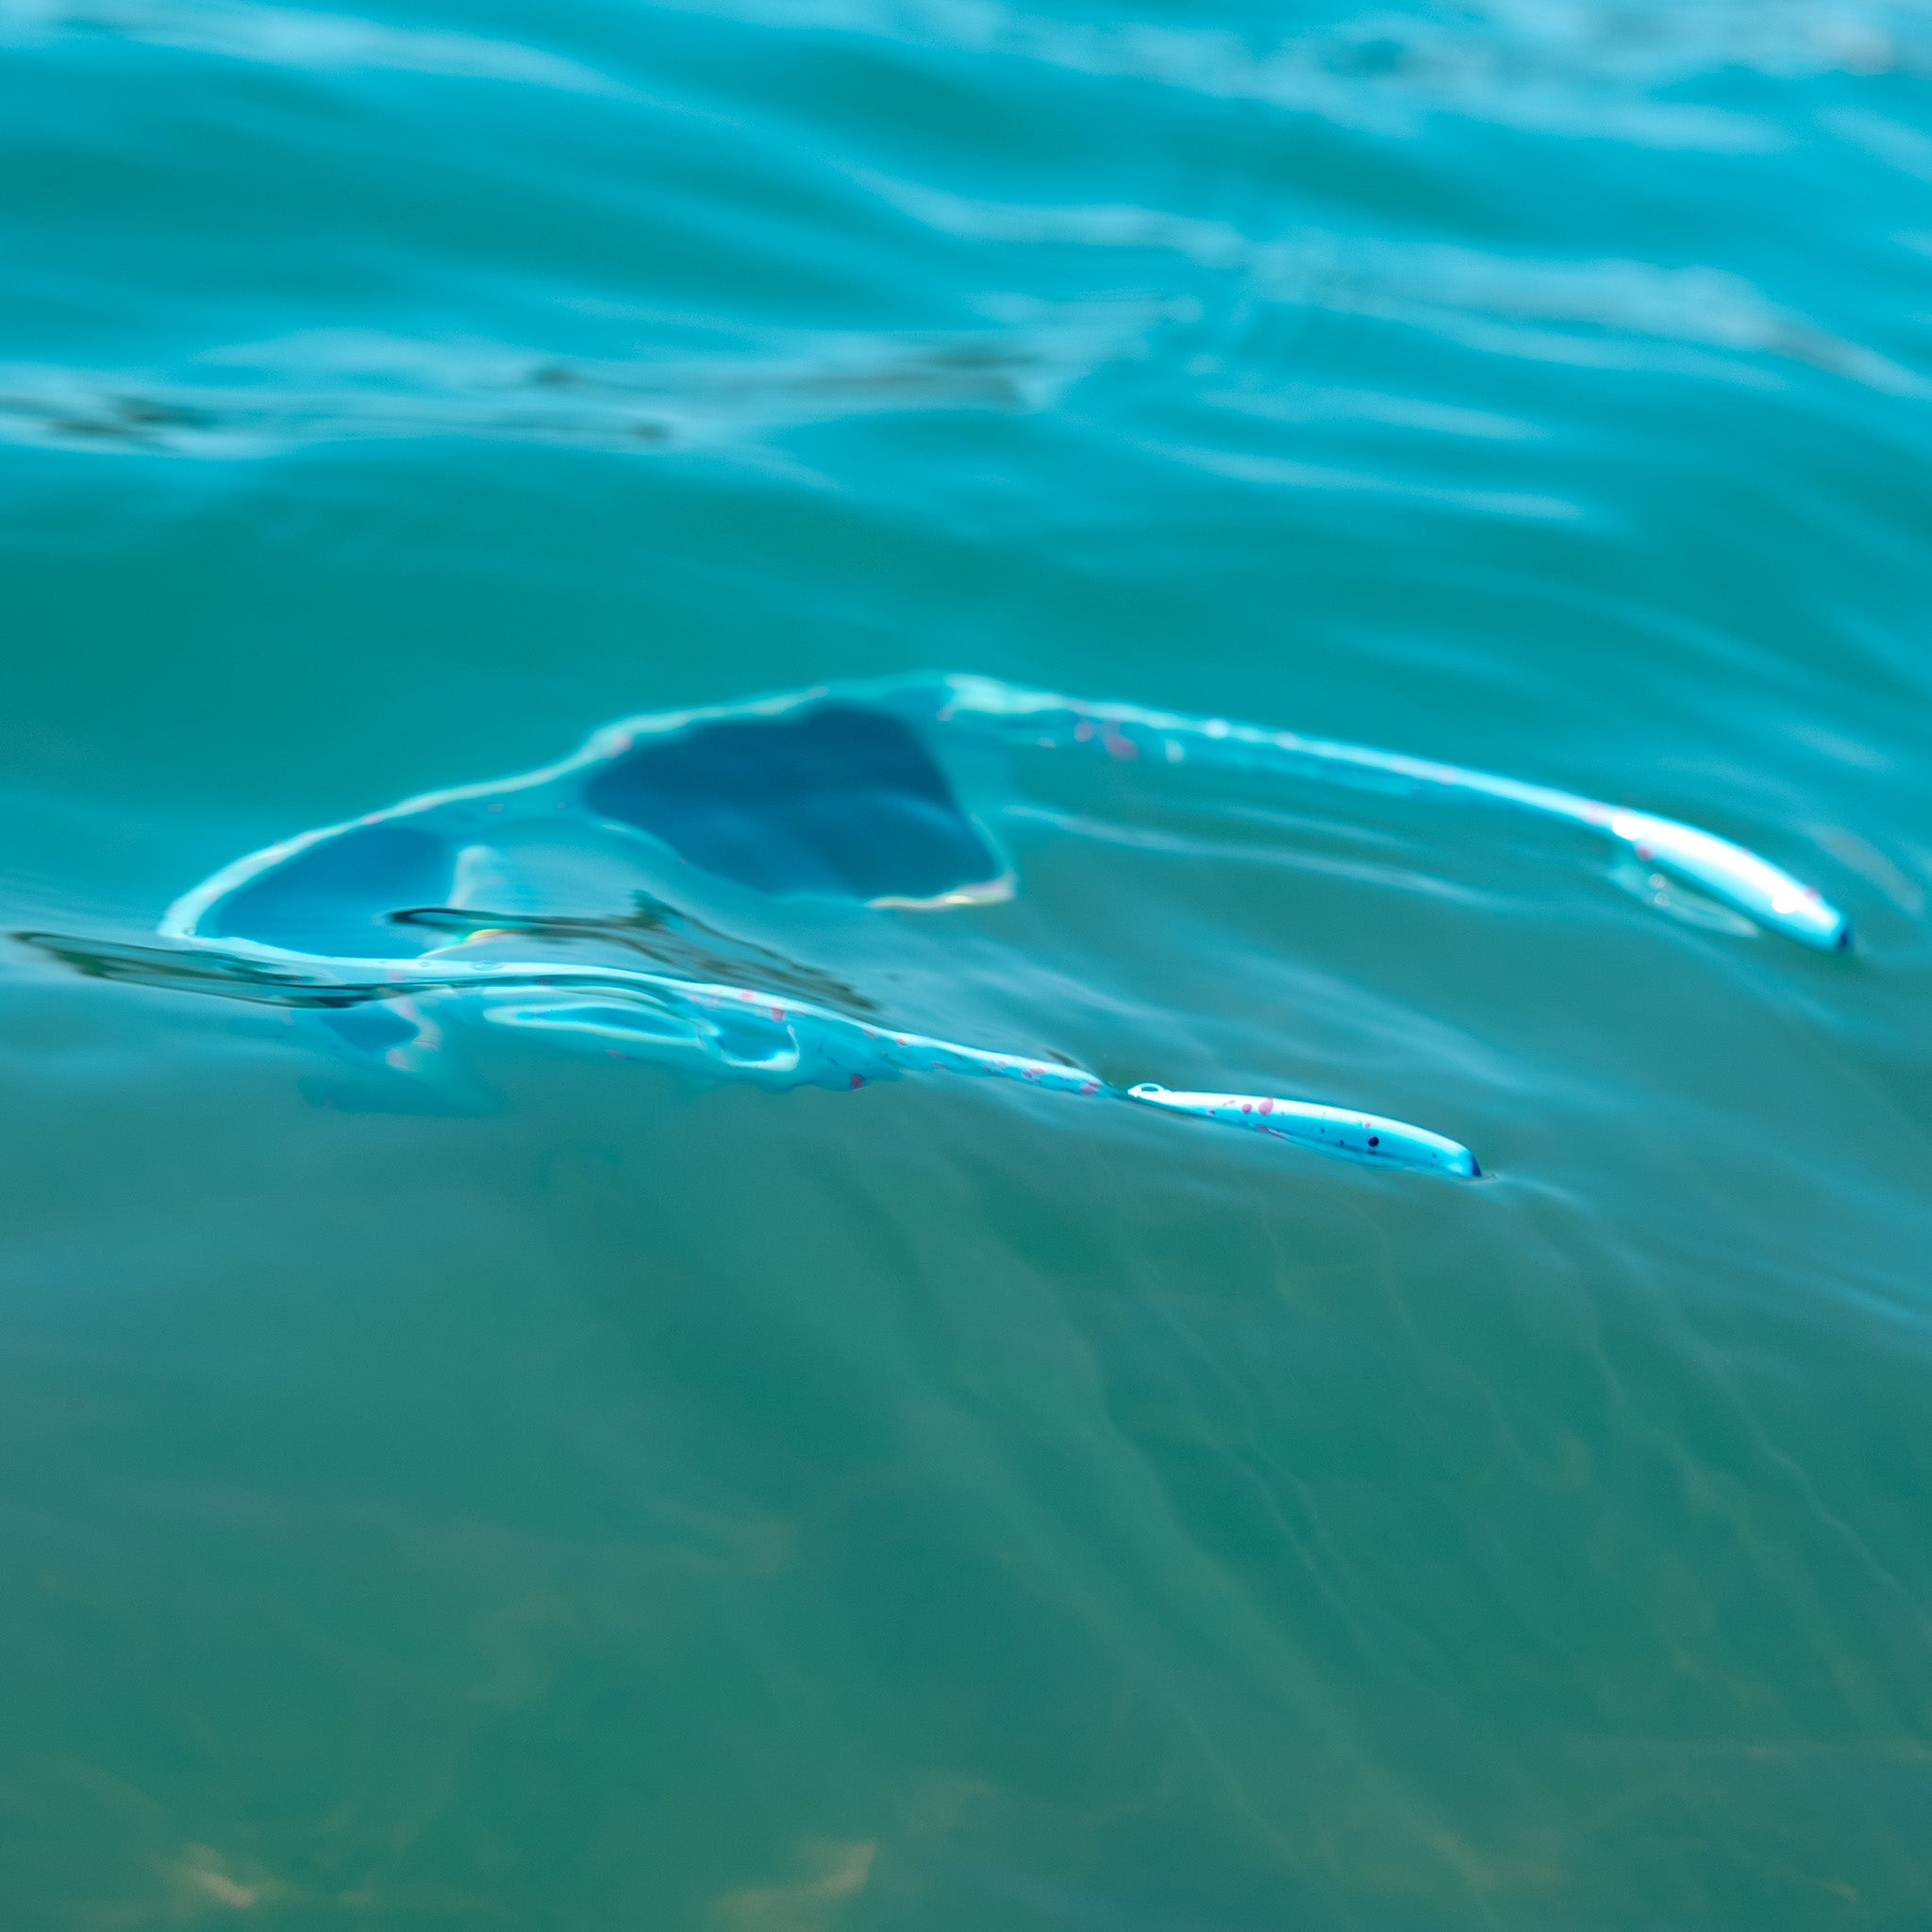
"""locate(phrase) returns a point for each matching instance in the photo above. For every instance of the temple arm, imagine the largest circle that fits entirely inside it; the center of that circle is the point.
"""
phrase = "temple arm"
(1729, 872)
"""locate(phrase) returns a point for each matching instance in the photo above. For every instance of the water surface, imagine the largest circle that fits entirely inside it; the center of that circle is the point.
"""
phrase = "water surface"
(939, 1508)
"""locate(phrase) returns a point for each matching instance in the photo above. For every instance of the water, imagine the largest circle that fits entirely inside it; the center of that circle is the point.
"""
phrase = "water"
(659, 1503)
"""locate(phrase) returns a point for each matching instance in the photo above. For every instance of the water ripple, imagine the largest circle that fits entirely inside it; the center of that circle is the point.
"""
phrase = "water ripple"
(1574, 68)
(1502, 303)
(295, 37)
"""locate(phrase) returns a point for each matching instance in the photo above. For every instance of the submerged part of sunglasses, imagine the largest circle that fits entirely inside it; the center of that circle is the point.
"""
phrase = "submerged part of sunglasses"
(397, 1016)
(478, 904)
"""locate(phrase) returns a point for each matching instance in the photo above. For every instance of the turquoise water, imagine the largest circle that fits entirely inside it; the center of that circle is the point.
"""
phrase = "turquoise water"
(646, 1503)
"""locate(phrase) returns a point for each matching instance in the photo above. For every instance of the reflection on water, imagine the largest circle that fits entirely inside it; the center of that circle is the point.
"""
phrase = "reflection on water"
(332, 388)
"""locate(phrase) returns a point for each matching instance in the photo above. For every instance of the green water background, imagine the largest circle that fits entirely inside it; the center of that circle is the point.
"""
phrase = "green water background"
(938, 1510)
